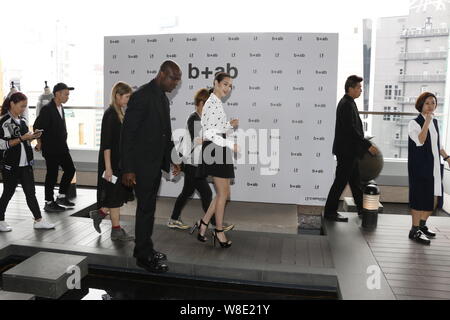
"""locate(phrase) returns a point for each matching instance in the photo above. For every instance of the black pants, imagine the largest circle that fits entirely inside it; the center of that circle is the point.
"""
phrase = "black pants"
(146, 193)
(11, 179)
(347, 171)
(191, 183)
(53, 162)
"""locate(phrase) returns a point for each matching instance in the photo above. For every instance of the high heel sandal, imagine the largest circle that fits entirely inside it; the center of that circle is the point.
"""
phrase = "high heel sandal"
(222, 244)
(198, 225)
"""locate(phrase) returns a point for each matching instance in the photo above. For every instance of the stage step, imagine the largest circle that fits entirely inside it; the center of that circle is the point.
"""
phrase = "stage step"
(350, 206)
(46, 274)
(6, 295)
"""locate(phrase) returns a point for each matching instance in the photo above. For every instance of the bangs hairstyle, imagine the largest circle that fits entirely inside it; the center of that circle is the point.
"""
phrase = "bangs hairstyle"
(120, 88)
(201, 95)
(422, 98)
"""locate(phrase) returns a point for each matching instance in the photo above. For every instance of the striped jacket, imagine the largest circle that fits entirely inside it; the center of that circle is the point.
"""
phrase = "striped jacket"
(9, 129)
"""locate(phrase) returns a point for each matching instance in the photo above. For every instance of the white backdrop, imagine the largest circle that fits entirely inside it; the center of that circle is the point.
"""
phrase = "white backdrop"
(282, 82)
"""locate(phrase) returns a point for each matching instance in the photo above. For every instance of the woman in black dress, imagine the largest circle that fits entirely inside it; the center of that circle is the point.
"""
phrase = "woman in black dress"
(111, 193)
(217, 153)
(425, 169)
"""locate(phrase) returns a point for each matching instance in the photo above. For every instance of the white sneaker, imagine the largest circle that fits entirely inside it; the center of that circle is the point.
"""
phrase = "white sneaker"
(4, 227)
(43, 225)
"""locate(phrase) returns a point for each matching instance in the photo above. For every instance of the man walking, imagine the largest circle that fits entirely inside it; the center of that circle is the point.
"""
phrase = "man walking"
(146, 146)
(349, 144)
(55, 151)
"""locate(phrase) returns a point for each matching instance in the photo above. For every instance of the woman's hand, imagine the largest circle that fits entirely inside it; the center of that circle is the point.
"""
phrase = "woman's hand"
(198, 140)
(28, 136)
(108, 175)
(429, 116)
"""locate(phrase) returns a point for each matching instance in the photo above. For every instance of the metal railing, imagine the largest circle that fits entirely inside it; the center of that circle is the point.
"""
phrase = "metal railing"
(412, 100)
(438, 55)
(423, 78)
(423, 33)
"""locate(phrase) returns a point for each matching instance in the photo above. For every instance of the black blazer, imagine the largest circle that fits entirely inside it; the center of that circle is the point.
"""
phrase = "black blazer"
(54, 137)
(146, 137)
(349, 138)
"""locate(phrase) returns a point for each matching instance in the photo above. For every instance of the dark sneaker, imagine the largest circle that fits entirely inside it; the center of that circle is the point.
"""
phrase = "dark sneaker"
(428, 232)
(97, 218)
(120, 235)
(53, 207)
(64, 202)
(419, 237)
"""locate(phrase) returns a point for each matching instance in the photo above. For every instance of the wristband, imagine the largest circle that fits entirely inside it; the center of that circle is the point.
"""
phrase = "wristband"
(446, 158)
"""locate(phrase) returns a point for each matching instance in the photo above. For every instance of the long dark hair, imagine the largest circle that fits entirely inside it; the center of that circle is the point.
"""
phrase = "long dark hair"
(16, 98)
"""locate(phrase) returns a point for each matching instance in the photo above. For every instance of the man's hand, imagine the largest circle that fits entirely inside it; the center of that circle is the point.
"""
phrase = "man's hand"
(234, 123)
(129, 179)
(374, 150)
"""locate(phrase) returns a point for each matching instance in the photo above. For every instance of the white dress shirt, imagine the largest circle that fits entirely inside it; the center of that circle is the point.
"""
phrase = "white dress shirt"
(414, 130)
(214, 122)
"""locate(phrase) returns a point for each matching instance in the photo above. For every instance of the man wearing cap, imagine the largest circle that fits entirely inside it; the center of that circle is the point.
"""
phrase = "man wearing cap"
(53, 144)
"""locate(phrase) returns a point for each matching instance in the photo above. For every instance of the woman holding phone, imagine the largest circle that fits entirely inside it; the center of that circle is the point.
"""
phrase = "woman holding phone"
(17, 159)
(111, 193)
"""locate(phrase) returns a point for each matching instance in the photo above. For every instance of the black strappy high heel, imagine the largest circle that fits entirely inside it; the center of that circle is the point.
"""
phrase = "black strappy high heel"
(198, 225)
(222, 244)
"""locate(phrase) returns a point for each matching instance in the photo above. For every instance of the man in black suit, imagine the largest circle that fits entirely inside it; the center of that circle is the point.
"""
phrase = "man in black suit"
(349, 145)
(53, 144)
(146, 147)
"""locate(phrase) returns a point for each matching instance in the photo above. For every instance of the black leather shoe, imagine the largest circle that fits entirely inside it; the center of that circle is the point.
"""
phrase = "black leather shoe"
(427, 232)
(335, 217)
(419, 237)
(154, 266)
(159, 256)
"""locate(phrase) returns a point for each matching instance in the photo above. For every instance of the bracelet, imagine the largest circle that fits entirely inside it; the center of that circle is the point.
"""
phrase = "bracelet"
(446, 158)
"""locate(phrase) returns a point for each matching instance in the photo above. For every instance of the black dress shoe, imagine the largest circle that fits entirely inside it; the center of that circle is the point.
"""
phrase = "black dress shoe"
(154, 266)
(159, 256)
(419, 237)
(427, 232)
(335, 217)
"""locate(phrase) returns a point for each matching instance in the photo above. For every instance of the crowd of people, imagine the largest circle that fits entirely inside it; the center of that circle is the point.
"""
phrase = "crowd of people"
(136, 146)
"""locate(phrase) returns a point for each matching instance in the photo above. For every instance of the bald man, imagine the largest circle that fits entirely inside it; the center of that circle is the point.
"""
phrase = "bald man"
(146, 146)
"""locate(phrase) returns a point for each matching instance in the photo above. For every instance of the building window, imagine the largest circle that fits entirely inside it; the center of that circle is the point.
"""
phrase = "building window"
(387, 117)
(397, 136)
(388, 92)
(396, 155)
(396, 117)
(401, 71)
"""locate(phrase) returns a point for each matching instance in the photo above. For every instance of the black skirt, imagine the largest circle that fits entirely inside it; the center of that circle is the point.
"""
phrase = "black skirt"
(217, 161)
(112, 195)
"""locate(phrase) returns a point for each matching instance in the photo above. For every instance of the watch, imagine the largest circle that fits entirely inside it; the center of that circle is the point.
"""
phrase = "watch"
(446, 158)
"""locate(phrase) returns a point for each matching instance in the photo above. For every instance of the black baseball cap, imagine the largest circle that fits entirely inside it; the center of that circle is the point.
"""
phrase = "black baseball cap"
(61, 86)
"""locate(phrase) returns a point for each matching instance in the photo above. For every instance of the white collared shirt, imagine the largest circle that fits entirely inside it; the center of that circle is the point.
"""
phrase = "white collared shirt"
(214, 122)
(414, 130)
